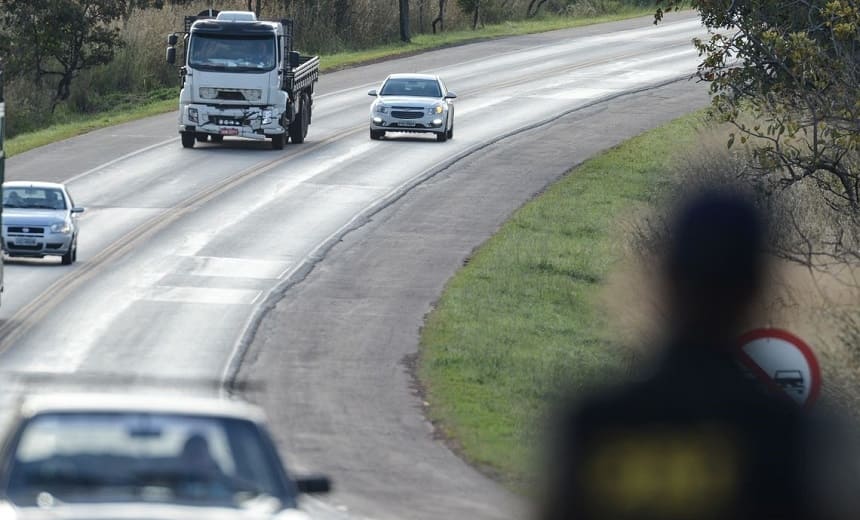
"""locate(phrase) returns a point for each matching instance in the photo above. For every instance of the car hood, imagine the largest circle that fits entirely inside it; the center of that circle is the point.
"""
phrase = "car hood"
(32, 217)
(410, 101)
(142, 511)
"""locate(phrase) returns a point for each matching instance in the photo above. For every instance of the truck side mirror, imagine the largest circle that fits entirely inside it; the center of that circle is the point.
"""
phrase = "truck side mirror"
(172, 39)
(171, 55)
(294, 59)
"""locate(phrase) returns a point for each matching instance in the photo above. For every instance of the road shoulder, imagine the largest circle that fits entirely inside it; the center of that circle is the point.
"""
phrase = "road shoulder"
(333, 355)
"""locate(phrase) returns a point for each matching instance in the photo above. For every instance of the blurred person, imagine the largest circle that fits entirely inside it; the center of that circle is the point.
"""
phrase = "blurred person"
(697, 438)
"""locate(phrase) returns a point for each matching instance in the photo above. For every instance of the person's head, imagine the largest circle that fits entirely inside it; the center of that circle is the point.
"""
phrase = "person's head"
(714, 263)
(196, 451)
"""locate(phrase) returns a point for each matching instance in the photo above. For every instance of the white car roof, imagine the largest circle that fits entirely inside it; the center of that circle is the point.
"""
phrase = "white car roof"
(165, 403)
(413, 76)
(33, 184)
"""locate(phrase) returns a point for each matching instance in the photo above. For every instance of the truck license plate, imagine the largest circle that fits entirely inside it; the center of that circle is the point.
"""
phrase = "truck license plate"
(25, 241)
(229, 131)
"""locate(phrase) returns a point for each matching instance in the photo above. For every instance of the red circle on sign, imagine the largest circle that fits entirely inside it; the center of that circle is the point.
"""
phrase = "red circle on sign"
(802, 347)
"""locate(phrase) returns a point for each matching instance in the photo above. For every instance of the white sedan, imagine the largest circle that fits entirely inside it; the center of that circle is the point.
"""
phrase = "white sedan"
(412, 103)
(100, 456)
(40, 219)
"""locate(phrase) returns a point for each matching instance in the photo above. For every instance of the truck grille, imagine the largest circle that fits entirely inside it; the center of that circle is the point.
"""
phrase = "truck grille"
(226, 120)
(231, 95)
(404, 114)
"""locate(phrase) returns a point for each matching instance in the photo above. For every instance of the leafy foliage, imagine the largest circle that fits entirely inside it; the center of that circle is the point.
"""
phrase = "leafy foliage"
(60, 38)
(786, 74)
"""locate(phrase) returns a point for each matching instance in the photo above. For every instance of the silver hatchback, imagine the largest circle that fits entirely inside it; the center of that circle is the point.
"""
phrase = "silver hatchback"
(412, 103)
(39, 219)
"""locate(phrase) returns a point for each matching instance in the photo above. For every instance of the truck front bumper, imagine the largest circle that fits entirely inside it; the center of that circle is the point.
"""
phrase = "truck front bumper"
(249, 122)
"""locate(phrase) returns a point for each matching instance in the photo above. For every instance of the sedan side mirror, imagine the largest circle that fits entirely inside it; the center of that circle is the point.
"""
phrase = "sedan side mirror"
(372, 93)
(450, 95)
(78, 210)
(313, 484)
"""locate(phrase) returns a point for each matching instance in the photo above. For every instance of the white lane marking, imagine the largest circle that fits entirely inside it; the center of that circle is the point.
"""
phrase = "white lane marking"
(166, 293)
(119, 159)
(237, 267)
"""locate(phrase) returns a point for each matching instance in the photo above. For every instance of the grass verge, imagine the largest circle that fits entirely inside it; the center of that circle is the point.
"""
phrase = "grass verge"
(523, 319)
(165, 99)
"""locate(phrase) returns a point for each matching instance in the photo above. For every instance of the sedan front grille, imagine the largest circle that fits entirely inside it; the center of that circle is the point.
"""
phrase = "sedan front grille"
(27, 230)
(403, 114)
(11, 245)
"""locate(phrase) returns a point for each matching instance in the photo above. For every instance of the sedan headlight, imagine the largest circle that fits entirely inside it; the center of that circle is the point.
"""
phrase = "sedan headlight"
(380, 108)
(208, 92)
(61, 227)
(435, 109)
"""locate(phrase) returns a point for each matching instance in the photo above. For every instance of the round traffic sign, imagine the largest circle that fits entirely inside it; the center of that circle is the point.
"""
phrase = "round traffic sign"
(783, 362)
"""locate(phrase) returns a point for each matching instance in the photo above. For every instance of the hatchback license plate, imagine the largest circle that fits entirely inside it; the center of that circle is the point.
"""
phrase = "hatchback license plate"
(229, 131)
(406, 123)
(25, 241)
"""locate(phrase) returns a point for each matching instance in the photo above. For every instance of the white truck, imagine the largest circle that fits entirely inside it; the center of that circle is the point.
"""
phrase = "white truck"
(241, 77)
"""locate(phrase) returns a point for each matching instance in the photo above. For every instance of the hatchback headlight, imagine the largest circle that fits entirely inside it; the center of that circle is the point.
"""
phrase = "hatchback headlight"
(380, 108)
(61, 227)
(208, 92)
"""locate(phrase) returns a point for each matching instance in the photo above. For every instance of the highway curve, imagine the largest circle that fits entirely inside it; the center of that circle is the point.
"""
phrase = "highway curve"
(309, 269)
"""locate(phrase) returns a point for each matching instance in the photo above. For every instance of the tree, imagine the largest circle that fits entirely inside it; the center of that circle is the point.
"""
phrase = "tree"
(785, 73)
(60, 38)
(472, 7)
(440, 19)
(404, 21)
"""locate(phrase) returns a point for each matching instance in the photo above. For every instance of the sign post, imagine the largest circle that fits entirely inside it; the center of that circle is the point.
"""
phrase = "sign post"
(783, 362)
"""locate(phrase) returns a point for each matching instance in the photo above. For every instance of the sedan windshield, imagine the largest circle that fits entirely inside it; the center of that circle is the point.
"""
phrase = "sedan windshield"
(232, 54)
(118, 457)
(34, 198)
(411, 87)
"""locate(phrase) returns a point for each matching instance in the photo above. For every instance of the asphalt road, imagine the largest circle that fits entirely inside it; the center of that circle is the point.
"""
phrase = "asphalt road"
(184, 254)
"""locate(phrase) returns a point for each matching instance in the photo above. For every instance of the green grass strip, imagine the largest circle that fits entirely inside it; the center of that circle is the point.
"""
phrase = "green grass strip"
(73, 125)
(523, 319)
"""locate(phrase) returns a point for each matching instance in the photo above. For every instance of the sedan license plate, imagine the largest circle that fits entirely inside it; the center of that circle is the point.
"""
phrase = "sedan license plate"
(229, 131)
(25, 241)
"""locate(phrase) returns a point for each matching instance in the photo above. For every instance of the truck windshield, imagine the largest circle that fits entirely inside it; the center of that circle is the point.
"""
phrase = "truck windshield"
(232, 54)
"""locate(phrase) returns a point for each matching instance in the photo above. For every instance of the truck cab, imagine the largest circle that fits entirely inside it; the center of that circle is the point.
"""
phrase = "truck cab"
(241, 78)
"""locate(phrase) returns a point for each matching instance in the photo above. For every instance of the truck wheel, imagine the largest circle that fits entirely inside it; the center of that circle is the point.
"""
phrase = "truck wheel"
(299, 126)
(278, 141)
(187, 139)
(202, 138)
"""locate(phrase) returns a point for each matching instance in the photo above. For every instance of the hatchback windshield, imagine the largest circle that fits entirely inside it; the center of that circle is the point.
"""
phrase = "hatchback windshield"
(232, 54)
(411, 87)
(110, 457)
(37, 198)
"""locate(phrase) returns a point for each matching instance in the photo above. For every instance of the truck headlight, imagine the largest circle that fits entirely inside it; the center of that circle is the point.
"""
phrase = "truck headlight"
(267, 117)
(208, 92)
(435, 109)
(380, 108)
(61, 227)
(252, 94)
(192, 114)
